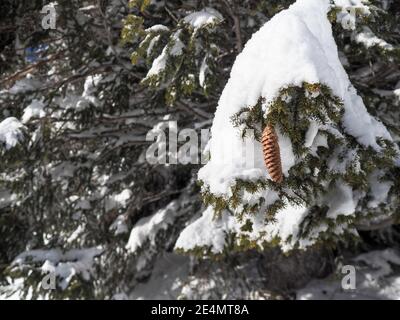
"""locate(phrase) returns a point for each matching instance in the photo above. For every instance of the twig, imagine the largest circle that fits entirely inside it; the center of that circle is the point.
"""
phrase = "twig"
(20, 74)
(376, 226)
(197, 112)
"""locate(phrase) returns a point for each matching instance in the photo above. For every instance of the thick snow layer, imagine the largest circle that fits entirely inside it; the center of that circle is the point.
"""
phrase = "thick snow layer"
(287, 225)
(286, 152)
(210, 232)
(11, 132)
(159, 64)
(207, 232)
(204, 17)
(65, 265)
(295, 46)
(146, 229)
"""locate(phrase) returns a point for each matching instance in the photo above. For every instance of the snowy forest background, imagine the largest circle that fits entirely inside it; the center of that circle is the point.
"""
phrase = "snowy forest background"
(79, 199)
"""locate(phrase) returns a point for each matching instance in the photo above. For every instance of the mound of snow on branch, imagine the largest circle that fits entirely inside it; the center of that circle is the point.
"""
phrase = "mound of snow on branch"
(294, 47)
(11, 132)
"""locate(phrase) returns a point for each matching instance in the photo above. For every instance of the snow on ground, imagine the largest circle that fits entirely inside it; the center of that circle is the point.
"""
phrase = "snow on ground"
(64, 264)
(376, 279)
(166, 281)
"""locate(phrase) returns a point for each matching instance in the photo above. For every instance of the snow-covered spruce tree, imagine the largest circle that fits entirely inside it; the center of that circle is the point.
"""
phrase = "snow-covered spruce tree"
(76, 195)
(339, 163)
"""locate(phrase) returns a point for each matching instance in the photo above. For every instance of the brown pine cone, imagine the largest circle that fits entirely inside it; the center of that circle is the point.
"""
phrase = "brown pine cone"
(272, 156)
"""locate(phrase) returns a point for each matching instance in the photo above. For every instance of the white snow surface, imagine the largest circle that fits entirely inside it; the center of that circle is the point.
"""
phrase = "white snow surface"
(340, 201)
(379, 189)
(118, 200)
(169, 275)
(159, 63)
(295, 46)
(196, 20)
(178, 46)
(349, 9)
(146, 229)
(157, 28)
(29, 83)
(210, 232)
(207, 232)
(369, 39)
(34, 109)
(204, 17)
(11, 132)
(64, 264)
(376, 279)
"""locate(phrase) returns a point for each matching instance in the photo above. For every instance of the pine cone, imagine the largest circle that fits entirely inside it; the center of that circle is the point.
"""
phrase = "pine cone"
(272, 156)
